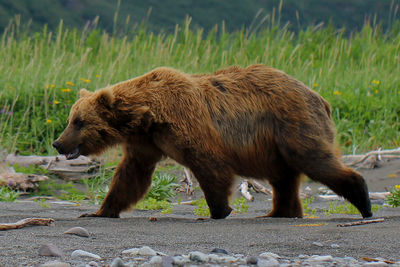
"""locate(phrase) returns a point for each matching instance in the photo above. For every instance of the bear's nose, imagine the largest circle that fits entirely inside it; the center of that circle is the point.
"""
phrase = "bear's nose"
(57, 145)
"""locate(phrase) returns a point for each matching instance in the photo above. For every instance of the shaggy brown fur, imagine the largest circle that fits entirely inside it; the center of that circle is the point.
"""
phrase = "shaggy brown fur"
(257, 122)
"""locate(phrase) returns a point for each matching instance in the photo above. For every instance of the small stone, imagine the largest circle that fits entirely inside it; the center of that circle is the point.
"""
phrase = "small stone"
(78, 231)
(93, 263)
(167, 261)
(214, 258)
(302, 256)
(81, 253)
(271, 262)
(252, 260)
(50, 250)
(55, 264)
(335, 246)
(155, 261)
(132, 251)
(319, 244)
(268, 255)
(146, 251)
(117, 262)
(180, 260)
(219, 251)
(375, 264)
(198, 256)
(228, 259)
(316, 258)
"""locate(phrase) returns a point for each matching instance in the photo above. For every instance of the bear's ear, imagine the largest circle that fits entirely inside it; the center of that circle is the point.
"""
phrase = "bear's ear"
(83, 92)
(105, 98)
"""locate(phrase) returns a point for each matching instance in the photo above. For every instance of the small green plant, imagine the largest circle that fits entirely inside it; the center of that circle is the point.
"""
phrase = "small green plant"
(42, 202)
(7, 194)
(308, 212)
(394, 198)
(154, 204)
(201, 208)
(64, 191)
(163, 186)
(346, 208)
(240, 205)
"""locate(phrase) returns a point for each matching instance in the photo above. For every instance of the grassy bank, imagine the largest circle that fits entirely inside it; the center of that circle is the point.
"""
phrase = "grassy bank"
(41, 74)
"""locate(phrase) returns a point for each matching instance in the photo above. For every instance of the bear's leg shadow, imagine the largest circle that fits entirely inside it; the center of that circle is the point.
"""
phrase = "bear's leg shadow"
(216, 185)
(129, 184)
(344, 181)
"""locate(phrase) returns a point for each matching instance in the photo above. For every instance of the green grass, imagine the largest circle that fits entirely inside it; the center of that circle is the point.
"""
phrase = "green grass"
(42, 72)
(394, 198)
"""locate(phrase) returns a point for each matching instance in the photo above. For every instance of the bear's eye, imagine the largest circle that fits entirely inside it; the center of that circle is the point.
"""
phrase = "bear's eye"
(78, 123)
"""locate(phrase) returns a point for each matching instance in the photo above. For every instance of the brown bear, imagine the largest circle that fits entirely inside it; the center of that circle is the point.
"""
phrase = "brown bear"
(256, 122)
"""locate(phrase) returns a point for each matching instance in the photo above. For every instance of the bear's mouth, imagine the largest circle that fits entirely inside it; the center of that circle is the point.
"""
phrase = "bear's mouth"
(76, 153)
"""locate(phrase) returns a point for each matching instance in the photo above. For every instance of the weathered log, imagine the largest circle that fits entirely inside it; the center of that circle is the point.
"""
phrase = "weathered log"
(371, 159)
(361, 222)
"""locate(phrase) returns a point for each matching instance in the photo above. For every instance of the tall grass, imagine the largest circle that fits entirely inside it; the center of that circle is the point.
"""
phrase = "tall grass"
(41, 73)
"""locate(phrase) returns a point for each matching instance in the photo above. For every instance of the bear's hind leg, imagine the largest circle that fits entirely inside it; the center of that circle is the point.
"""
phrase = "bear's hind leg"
(285, 199)
(343, 181)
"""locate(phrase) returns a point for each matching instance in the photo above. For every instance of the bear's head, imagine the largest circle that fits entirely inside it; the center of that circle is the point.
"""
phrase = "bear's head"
(89, 129)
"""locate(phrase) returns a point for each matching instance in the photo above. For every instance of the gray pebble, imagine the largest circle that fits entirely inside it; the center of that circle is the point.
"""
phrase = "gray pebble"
(50, 250)
(319, 244)
(55, 264)
(180, 260)
(78, 231)
(167, 261)
(156, 261)
(271, 262)
(117, 262)
(146, 251)
(335, 246)
(198, 256)
(93, 263)
(84, 254)
(317, 258)
(219, 250)
(252, 260)
(214, 258)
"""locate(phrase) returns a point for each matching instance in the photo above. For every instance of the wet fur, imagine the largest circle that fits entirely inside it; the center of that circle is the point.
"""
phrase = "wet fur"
(255, 121)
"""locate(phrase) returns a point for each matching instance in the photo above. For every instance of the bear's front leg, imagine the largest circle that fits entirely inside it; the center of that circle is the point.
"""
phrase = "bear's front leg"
(129, 184)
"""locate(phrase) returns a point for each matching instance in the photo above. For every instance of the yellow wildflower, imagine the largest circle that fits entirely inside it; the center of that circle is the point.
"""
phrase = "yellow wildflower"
(66, 90)
(97, 75)
(338, 93)
(69, 83)
(56, 102)
(376, 91)
(48, 121)
(377, 82)
(315, 84)
(85, 80)
(397, 186)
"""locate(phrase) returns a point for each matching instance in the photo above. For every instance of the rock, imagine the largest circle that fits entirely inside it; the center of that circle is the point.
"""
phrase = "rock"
(268, 255)
(79, 231)
(117, 262)
(271, 262)
(318, 244)
(198, 256)
(94, 264)
(228, 259)
(252, 260)
(146, 251)
(335, 246)
(375, 264)
(132, 251)
(214, 258)
(219, 250)
(50, 250)
(84, 254)
(167, 261)
(180, 260)
(317, 258)
(155, 261)
(55, 264)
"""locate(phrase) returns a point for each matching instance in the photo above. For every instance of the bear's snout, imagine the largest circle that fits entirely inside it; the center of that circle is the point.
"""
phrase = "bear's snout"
(57, 146)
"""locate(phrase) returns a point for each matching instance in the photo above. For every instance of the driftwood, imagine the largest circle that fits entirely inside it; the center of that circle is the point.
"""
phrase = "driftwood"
(81, 167)
(187, 181)
(244, 190)
(361, 222)
(26, 222)
(372, 195)
(371, 159)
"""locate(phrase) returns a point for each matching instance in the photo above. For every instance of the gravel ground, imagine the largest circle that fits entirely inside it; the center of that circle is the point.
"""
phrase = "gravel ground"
(180, 238)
